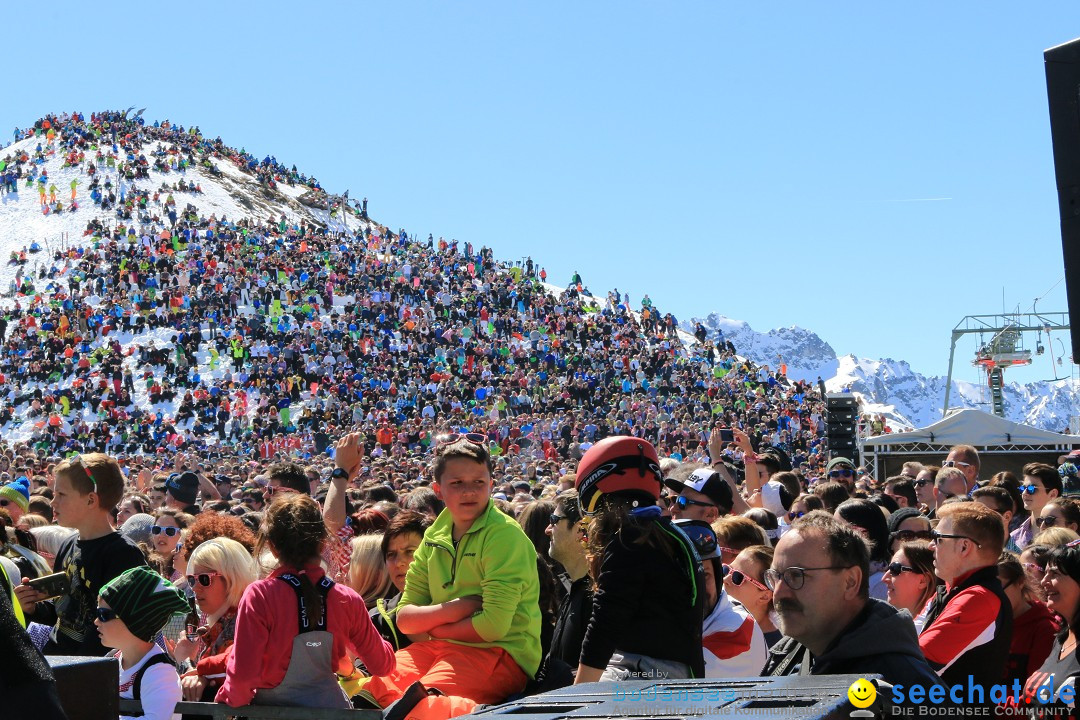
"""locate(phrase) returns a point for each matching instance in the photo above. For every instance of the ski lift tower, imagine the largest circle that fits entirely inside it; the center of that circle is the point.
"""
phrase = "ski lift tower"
(1005, 348)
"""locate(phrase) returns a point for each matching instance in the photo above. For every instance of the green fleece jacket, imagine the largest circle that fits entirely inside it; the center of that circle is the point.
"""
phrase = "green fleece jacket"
(494, 559)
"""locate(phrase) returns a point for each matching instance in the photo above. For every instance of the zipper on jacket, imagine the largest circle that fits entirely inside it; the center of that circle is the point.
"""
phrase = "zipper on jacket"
(453, 562)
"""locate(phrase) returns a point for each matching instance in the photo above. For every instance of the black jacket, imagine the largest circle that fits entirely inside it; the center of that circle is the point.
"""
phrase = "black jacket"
(574, 613)
(880, 640)
(647, 601)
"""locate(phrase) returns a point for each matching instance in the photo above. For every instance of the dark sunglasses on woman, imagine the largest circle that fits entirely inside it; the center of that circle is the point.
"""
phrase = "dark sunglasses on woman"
(896, 568)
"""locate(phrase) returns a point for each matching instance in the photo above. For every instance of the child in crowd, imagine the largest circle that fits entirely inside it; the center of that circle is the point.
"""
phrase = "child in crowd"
(649, 601)
(295, 628)
(131, 610)
(87, 488)
(471, 592)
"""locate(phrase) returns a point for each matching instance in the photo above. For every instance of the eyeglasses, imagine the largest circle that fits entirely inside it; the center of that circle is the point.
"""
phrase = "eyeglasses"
(896, 568)
(955, 463)
(794, 577)
(106, 614)
(937, 537)
(909, 535)
(842, 472)
(76, 459)
(169, 531)
(737, 578)
(1047, 521)
(794, 515)
(923, 483)
(683, 502)
(204, 579)
(1029, 489)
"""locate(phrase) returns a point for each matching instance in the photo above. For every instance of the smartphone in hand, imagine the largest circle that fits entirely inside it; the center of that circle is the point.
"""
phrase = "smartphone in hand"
(51, 586)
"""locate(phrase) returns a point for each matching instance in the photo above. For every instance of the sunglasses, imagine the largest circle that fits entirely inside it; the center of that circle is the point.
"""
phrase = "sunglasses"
(203, 579)
(1048, 521)
(703, 538)
(909, 535)
(923, 483)
(896, 568)
(794, 515)
(937, 537)
(106, 614)
(76, 459)
(683, 502)
(737, 578)
(843, 472)
(470, 437)
(1029, 489)
(554, 518)
(169, 531)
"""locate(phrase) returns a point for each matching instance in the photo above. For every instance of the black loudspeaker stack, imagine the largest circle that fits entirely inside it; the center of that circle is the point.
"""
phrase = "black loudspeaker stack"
(842, 425)
(1063, 94)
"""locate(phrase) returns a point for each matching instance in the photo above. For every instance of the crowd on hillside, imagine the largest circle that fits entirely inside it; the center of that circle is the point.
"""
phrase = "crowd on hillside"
(271, 337)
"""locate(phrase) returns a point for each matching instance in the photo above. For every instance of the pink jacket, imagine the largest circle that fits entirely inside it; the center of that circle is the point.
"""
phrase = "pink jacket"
(266, 625)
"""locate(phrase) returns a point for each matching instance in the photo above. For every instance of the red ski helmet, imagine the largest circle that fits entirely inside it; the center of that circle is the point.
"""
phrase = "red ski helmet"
(619, 464)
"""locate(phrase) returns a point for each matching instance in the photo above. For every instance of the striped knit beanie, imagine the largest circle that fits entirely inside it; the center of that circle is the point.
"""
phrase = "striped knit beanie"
(17, 492)
(144, 600)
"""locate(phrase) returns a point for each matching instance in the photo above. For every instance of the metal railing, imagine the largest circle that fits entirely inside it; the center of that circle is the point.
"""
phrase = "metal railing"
(259, 712)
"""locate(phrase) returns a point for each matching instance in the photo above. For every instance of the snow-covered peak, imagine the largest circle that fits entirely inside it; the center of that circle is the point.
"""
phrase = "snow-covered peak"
(890, 387)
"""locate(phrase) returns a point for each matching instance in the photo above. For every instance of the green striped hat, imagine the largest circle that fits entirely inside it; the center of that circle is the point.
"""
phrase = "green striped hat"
(144, 600)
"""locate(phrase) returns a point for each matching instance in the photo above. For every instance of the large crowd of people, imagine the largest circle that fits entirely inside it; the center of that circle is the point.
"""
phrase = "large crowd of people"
(273, 463)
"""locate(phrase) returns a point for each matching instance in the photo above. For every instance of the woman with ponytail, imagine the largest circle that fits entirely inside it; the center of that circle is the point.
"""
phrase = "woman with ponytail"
(649, 601)
(296, 628)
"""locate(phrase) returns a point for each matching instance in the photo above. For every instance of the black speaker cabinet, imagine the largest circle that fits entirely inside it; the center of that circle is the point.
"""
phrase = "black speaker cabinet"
(88, 686)
(792, 698)
(1063, 95)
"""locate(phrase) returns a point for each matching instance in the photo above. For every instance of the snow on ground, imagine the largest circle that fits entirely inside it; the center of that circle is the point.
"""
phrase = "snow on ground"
(232, 194)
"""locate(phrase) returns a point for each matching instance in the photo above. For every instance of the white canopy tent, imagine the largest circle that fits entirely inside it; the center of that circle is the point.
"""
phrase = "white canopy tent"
(989, 434)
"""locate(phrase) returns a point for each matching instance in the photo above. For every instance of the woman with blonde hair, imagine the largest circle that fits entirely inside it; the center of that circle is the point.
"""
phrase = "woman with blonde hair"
(219, 571)
(1055, 537)
(367, 569)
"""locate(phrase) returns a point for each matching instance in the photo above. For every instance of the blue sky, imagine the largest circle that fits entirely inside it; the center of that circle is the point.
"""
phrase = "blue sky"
(870, 171)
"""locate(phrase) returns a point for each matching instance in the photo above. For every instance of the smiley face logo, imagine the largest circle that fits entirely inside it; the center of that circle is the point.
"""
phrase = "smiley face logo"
(862, 693)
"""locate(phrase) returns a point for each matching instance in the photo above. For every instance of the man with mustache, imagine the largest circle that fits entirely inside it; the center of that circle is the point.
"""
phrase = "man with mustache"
(820, 581)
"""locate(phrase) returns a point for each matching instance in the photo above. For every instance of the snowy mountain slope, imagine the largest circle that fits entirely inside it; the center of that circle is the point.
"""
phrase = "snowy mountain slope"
(231, 193)
(890, 387)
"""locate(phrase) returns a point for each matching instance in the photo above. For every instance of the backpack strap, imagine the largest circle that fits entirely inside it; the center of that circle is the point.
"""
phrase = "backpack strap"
(304, 621)
(136, 688)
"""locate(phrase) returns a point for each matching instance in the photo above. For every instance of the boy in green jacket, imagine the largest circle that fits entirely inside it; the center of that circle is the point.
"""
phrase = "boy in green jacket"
(471, 595)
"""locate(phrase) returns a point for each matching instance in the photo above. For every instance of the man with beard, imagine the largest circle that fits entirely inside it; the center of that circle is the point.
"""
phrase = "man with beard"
(820, 582)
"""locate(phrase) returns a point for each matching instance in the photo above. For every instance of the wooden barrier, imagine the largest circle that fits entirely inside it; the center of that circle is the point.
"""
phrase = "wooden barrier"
(260, 712)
